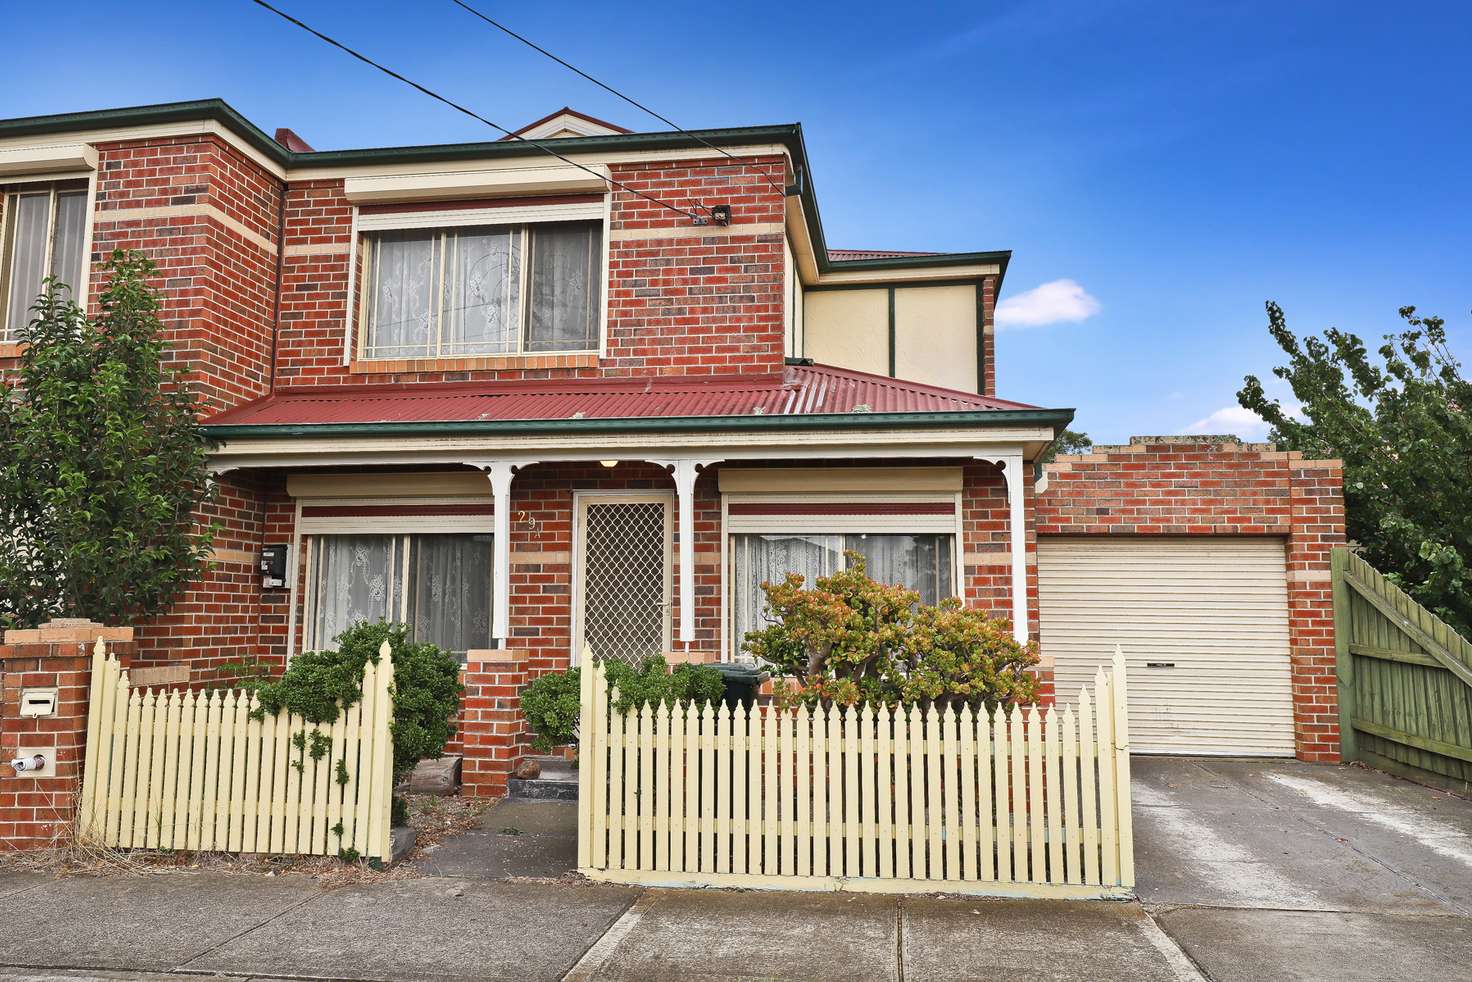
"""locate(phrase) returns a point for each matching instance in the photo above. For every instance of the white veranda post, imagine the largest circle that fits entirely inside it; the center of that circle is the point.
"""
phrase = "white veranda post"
(685, 470)
(500, 474)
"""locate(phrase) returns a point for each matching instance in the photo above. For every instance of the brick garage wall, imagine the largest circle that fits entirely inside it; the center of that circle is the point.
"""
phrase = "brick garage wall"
(1217, 486)
(682, 300)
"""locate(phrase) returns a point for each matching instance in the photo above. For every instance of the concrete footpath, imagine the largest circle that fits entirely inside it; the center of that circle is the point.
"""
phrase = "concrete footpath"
(445, 928)
(1249, 870)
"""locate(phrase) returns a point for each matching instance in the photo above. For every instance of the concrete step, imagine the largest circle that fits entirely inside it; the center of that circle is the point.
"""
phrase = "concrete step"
(556, 768)
(542, 789)
(557, 780)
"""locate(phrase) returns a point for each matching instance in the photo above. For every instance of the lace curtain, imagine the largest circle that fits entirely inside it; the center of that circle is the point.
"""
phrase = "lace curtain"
(66, 241)
(354, 582)
(450, 590)
(446, 601)
(453, 292)
(919, 562)
(566, 260)
(34, 226)
(481, 286)
(767, 559)
(402, 300)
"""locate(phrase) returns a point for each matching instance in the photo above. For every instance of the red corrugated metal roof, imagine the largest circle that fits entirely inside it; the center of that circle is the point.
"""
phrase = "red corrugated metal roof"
(848, 255)
(800, 390)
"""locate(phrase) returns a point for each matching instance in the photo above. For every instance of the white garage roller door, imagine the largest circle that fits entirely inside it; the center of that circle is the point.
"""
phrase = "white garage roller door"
(1204, 628)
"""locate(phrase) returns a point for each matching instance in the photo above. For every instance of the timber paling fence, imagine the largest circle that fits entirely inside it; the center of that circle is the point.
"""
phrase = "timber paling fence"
(1033, 803)
(1405, 680)
(178, 769)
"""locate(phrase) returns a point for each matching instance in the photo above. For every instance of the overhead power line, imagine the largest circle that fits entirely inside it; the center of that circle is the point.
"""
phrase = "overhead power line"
(473, 114)
(604, 86)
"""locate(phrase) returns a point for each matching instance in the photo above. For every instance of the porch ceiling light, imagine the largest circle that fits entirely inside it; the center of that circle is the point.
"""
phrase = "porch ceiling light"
(609, 463)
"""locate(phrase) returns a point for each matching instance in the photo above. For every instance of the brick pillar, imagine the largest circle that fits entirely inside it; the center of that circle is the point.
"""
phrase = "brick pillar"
(36, 811)
(1318, 526)
(494, 734)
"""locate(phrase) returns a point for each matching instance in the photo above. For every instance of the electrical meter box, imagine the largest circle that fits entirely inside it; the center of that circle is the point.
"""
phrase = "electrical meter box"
(273, 567)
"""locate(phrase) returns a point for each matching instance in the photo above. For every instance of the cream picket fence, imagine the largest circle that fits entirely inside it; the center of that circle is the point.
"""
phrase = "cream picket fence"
(1033, 803)
(176, 769)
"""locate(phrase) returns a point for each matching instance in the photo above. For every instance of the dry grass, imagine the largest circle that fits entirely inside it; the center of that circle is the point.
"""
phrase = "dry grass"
(433, 818)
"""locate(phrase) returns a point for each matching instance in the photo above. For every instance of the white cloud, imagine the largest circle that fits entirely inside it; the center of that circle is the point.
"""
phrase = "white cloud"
(1049, 303)
(1238, 421)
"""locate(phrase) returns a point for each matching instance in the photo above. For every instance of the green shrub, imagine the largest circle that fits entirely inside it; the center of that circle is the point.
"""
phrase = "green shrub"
(550, 705)
(654, 683)
(426, 690)
(551, 702)
(848, 640)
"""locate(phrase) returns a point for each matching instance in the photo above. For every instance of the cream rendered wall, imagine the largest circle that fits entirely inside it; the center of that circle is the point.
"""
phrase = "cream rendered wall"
(799, 309)
(935, 335)
(848, 328)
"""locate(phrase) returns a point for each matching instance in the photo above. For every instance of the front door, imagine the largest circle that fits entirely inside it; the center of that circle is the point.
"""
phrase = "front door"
(622, 568)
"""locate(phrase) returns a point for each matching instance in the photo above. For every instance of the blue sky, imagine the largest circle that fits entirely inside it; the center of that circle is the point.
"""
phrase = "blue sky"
(1179, 163)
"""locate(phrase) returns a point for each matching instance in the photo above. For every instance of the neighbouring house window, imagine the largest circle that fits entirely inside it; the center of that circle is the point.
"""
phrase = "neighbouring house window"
(921, 562)
(439, 584)
(506, 289)
(44, 230)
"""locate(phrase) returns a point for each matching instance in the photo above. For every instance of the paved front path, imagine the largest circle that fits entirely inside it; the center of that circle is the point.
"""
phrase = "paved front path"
(1249, 870)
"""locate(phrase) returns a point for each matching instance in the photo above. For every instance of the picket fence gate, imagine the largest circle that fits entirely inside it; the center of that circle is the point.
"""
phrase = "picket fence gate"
(1033, 803)
(178, 769)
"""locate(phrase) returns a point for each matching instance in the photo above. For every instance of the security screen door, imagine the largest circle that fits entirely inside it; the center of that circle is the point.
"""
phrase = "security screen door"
(623, 589)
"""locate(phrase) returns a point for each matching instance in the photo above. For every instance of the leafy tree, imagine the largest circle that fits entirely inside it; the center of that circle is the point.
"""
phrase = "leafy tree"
(1067, 442)
(103, 463)
(1401, 424)
(849, 640)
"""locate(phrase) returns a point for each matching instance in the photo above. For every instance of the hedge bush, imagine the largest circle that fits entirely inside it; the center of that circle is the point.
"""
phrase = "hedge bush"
(551, 702)
(426, 691)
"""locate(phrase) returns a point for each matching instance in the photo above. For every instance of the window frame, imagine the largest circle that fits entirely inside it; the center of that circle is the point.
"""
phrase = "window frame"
(836, 523)
(13, 185)
(429, 219)
(403, 527)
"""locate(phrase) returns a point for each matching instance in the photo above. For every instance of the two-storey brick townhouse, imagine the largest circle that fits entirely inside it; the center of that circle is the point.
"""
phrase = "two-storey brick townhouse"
(520, 406)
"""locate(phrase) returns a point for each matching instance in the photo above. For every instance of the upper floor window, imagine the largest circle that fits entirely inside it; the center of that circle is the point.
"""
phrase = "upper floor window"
(482, 290)
(45, 226)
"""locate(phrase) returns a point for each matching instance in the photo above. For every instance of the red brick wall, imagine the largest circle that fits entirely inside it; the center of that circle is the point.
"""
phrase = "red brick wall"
(1216, 486)
(225, 616)
(678, 304)
(989, 336)
(165, 198)
(36, 811)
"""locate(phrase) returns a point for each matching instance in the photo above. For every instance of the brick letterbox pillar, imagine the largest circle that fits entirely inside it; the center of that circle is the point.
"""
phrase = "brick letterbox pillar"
(493, 733)
(49, 666)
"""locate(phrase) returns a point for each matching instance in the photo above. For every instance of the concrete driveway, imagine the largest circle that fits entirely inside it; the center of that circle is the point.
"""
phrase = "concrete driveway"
(1280, 870)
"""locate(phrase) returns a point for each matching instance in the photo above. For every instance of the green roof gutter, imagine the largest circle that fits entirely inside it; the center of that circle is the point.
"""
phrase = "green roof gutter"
(1055, 418)
(788, 135)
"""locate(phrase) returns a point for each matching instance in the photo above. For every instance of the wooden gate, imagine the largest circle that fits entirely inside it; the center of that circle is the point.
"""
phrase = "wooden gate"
(1405, 680)
(176, 769)
(1033, 803)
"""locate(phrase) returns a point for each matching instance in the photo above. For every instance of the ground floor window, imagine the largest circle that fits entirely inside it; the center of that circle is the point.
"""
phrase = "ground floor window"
(922, 562)
(437, 583)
